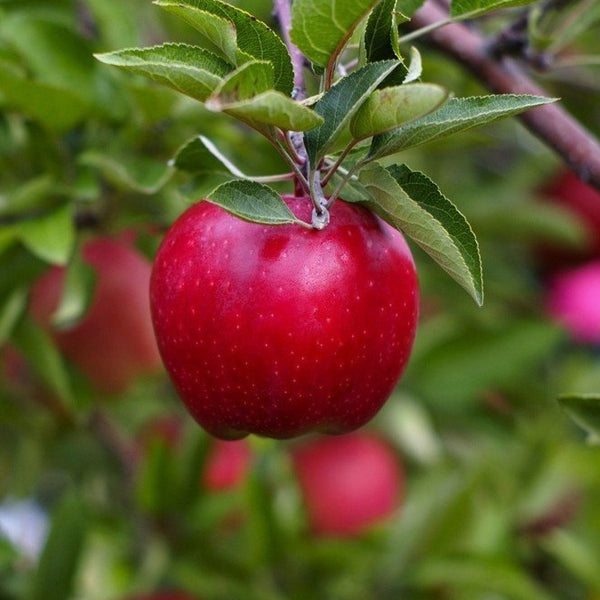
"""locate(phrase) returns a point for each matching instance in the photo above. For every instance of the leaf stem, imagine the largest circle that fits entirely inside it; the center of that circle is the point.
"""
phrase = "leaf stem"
(284, 16)
(424, 30)
(345, 179)
(338, 162)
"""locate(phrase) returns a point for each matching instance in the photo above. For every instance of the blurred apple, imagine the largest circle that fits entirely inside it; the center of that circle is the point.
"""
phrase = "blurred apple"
(569, 192)
(227, 464)
(348, 483)
(113, 343)
(573, 300)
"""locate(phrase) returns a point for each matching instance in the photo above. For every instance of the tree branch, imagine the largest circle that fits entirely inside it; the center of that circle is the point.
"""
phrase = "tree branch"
(283, 15)
(551, 123)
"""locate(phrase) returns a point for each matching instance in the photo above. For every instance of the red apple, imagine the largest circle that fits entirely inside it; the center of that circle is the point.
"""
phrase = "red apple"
(282, 330)
(573, 300)
(114, 342)
(348, 483)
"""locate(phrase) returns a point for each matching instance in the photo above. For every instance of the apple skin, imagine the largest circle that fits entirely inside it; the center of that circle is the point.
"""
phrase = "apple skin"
(113, 343)
(282, 330)
(573, 300)
(348, 483)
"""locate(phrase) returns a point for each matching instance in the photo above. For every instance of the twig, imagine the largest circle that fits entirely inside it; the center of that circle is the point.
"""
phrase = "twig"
(284, 17)
(551, 122)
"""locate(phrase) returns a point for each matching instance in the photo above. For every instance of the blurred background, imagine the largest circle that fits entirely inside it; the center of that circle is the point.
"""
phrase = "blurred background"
(471, 484)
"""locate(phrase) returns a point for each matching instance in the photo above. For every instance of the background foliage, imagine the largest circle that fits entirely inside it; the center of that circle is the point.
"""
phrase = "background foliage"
(502, 492)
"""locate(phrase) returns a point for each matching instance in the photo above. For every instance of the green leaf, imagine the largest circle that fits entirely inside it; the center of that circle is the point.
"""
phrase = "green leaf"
(31, 194)
(487, 575)
(50, 237)
(137, 173)
(11, 309)
(411, 202)
(583, 409)
(55, 53)
(55, 107)
(251, 79)
(468, 9)
(409, 7)
(270, 108)
(190, 70)
(455, 372)
(339, 104)
(253, 202)
(45, 359)
(415, 67)
(218, 30)
(77, 292)
(253, 37)
(55, 576)
(458, 114)
(321, 28)
(198, 156)
(377, 41)
(389, 107)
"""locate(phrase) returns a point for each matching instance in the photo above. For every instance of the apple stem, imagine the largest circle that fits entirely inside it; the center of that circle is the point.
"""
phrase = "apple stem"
(320, 215)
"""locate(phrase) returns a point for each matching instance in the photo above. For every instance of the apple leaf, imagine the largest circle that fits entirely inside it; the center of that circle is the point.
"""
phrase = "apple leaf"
(389, 107)
(415, 67)
(253, 202)
(458, 114)
(44, 357)
(219, 31)
(252, 37)
(190, 70)
(77, 292)
(468, 9)
(54, 578)
(198, 156)
(55, 107)
(270, 108)
(50, 237)
(321, 28)
(414, 204)
(250, 79)
(377, 41)
(143, 175)
(339, 104)
(11, 309)
(407, 8)
(583, 409)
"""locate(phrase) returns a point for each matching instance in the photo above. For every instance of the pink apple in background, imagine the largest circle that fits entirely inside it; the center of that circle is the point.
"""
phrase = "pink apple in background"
(573, 300)
(348, 482)
(114, 342)
(227, 464)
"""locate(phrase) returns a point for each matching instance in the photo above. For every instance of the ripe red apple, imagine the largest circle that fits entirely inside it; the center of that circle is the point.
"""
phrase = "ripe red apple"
(114, 342)
(573, 300)
(282, 330)
(348, 482)
(569, 192)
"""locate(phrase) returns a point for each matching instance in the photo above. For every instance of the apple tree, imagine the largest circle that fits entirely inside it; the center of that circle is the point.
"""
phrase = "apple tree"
(258, 220)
